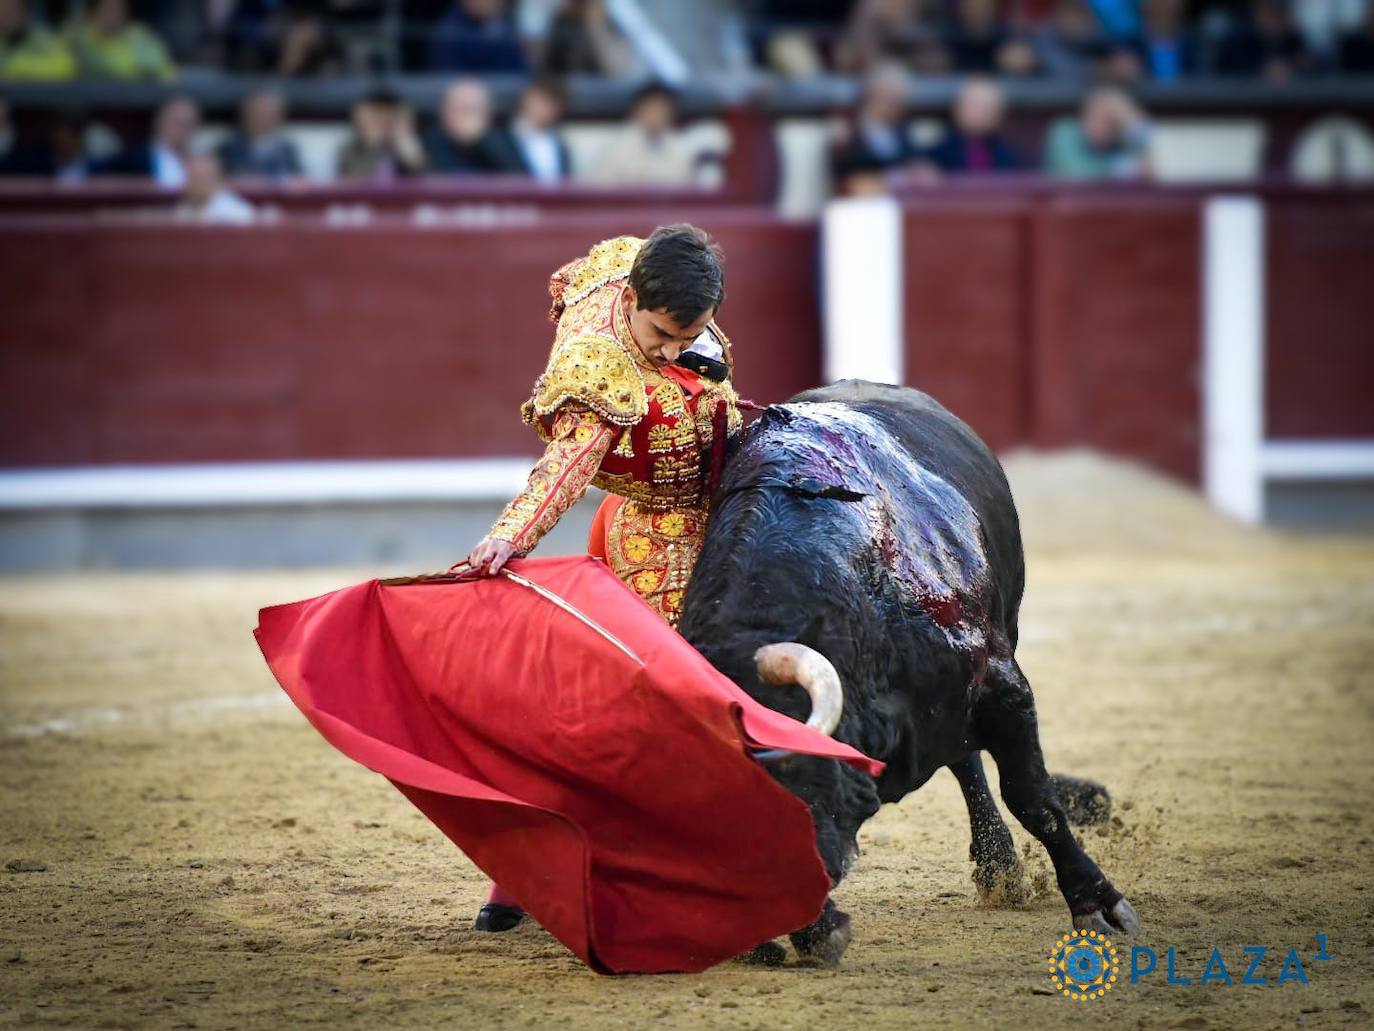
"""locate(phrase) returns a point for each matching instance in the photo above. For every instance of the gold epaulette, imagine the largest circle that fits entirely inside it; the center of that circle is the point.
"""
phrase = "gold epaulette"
(592, 370)
(606, 262)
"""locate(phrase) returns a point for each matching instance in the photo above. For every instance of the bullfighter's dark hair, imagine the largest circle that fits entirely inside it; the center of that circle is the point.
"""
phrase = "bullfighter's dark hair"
(678, 269)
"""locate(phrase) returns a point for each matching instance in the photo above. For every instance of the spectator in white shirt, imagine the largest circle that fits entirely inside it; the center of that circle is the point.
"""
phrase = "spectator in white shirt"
(163, 158)
(206, 197)
(534, 132)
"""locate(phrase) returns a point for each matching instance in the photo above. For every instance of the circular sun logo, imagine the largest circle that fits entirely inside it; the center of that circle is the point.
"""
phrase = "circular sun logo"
(1084, 965)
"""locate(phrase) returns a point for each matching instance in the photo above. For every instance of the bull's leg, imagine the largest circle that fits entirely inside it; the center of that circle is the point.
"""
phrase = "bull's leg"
(1005, 718)
(827, 938)
(996, 870)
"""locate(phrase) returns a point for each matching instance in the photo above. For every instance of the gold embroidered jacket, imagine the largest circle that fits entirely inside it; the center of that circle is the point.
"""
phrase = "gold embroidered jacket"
(608, 416)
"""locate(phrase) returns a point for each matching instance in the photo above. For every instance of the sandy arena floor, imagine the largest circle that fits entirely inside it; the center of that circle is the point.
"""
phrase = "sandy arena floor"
(184, 851)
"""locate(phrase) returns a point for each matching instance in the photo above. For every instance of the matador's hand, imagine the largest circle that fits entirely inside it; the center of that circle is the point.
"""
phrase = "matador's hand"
(490, 555)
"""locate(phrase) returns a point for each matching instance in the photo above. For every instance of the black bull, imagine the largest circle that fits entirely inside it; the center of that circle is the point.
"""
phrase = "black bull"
(867, 522)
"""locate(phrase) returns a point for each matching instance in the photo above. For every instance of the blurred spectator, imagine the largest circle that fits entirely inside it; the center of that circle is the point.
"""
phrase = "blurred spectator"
(1324, 22)
(892, 31)
(68, 161)
(29, 50)
(1120, 18)
(306, 46)
(582, 40)
(207, 198)
(384, 144)
(163, 158)
(974, 142)
(877, 138)
(1070, 43)
(649, 151)
(259, 147)
(1269, 44)
(979, 42)
(1357, 49)
(1166, 48)
(1108, 140)
(7, 141)
(534, 132)
(110, 45)
(465, 140)
(476, 36)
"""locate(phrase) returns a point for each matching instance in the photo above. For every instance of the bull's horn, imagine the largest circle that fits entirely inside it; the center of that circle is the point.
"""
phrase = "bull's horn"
(793, 663)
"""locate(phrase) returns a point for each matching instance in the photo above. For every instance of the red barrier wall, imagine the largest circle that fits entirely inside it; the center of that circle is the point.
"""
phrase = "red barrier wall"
(1319, 368)
(1060, 319)
(172, 343)
(966, 307)
(1048, 316)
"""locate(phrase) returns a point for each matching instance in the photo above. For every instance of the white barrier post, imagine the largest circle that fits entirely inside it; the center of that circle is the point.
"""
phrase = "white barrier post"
(1233, 356)
(861, 280)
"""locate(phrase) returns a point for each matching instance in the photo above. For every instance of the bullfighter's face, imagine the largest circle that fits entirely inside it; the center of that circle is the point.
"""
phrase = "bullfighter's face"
(657, 334)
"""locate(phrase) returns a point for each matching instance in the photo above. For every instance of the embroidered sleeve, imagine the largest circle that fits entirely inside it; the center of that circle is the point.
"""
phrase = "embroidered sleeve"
(578, 441)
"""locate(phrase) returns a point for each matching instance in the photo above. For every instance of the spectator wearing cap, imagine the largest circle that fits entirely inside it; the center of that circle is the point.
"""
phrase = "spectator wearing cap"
(110, 45)
(1109, 139)
(477, 36)
(582, 40)
(465, 140)
(534, 132)
(974, 142)
(649, 150)
(162, 158)
(29, 50)
(260, 147)
(383, 144)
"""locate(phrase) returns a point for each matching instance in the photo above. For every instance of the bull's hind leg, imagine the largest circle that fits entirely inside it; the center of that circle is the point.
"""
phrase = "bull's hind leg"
(996, 871)
(1005, 718)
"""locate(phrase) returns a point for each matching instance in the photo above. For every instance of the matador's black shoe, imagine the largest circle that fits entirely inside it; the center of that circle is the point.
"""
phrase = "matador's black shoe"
(496, 917)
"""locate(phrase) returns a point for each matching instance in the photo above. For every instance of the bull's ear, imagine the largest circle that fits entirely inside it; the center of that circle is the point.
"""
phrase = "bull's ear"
(810, 487)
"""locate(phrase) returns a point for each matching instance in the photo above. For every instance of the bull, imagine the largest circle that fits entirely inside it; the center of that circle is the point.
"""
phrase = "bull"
(863, 570)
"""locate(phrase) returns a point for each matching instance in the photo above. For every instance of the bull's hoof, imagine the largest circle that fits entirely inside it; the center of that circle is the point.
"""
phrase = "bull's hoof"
(1119, 919)
(826, 939)
(1001, 885)
(769, 954)
(1086, 802)
(496, 917)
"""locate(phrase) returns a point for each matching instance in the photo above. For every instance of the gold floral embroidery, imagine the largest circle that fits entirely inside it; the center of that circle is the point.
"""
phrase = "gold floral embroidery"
(637, 547)
(665, 437)
(578, 442)
(672, 524)
(655, 552)
(646, 581)
(669, 397)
